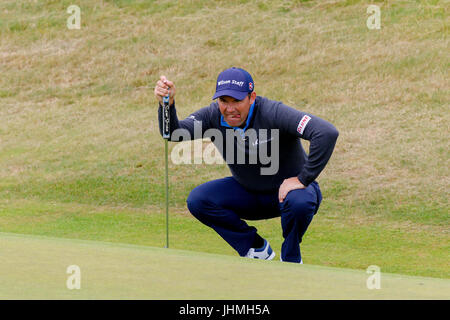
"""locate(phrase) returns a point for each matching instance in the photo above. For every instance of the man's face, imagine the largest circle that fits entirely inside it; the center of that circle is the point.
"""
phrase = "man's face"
(234, 111)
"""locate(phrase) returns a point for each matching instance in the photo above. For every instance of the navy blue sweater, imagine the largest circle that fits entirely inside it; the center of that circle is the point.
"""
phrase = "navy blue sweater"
(266, 114)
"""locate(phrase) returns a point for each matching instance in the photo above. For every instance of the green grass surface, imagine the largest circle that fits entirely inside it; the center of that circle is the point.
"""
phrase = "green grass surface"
(81, 155)
(36, 268)
(330, 241)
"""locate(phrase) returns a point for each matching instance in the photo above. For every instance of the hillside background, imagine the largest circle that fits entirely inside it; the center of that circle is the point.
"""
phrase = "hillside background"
(81, 155)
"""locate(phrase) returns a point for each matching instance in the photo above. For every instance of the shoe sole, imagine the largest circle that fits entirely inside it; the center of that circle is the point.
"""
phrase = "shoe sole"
(301, 261)
(271, 256)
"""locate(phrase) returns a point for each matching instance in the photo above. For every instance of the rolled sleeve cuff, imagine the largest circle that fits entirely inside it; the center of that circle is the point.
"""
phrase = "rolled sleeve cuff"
(305, 179)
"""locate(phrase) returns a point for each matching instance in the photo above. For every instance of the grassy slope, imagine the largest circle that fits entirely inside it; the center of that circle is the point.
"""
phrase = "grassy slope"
(35, 268)
(80, 155)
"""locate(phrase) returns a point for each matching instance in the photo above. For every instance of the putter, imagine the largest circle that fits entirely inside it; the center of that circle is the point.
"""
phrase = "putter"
(166, 137)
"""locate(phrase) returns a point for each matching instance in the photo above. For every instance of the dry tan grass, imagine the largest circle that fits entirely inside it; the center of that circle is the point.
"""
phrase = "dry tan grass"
(382, 89)
(78, 124)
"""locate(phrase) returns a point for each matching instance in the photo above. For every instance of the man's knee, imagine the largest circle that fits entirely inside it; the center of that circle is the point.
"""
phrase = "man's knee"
(298, 206)
(195, 201)
(200, 201)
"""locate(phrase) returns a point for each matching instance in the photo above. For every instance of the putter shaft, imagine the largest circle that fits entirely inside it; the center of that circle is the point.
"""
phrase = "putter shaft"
(167, 191)
(166, 136)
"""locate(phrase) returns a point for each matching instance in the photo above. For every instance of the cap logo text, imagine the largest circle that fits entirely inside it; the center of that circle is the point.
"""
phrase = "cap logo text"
(237, 83)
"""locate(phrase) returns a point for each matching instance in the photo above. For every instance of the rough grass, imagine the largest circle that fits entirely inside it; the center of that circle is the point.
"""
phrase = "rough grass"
(78, 125)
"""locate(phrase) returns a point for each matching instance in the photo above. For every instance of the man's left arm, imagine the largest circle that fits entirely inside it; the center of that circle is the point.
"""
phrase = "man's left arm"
(322, 136)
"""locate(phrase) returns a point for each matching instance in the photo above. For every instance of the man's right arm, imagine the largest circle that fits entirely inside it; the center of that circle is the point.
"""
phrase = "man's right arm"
(193, 127)
(187, 128)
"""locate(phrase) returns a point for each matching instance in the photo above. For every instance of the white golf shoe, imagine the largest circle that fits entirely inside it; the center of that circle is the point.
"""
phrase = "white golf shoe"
(265, 252)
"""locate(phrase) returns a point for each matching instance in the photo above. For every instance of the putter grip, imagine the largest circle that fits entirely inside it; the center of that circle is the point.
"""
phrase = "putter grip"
(166, 118)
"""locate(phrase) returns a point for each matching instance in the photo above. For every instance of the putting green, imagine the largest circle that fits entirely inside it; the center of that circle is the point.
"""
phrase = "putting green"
(33, 267)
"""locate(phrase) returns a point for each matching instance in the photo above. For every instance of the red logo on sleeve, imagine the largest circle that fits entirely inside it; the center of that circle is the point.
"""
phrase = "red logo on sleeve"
(302, 124)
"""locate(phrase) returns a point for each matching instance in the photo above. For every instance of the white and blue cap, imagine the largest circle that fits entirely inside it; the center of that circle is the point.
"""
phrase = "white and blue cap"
(234, 82)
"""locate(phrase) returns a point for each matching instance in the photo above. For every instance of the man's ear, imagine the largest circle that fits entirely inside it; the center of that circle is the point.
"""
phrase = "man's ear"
(252, 97)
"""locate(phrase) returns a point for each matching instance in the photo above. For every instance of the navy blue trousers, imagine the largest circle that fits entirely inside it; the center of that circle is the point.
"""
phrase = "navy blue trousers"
(224, 204)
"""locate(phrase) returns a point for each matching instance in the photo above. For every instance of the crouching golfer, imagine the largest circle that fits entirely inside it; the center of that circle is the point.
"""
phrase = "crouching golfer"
(272, 176)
